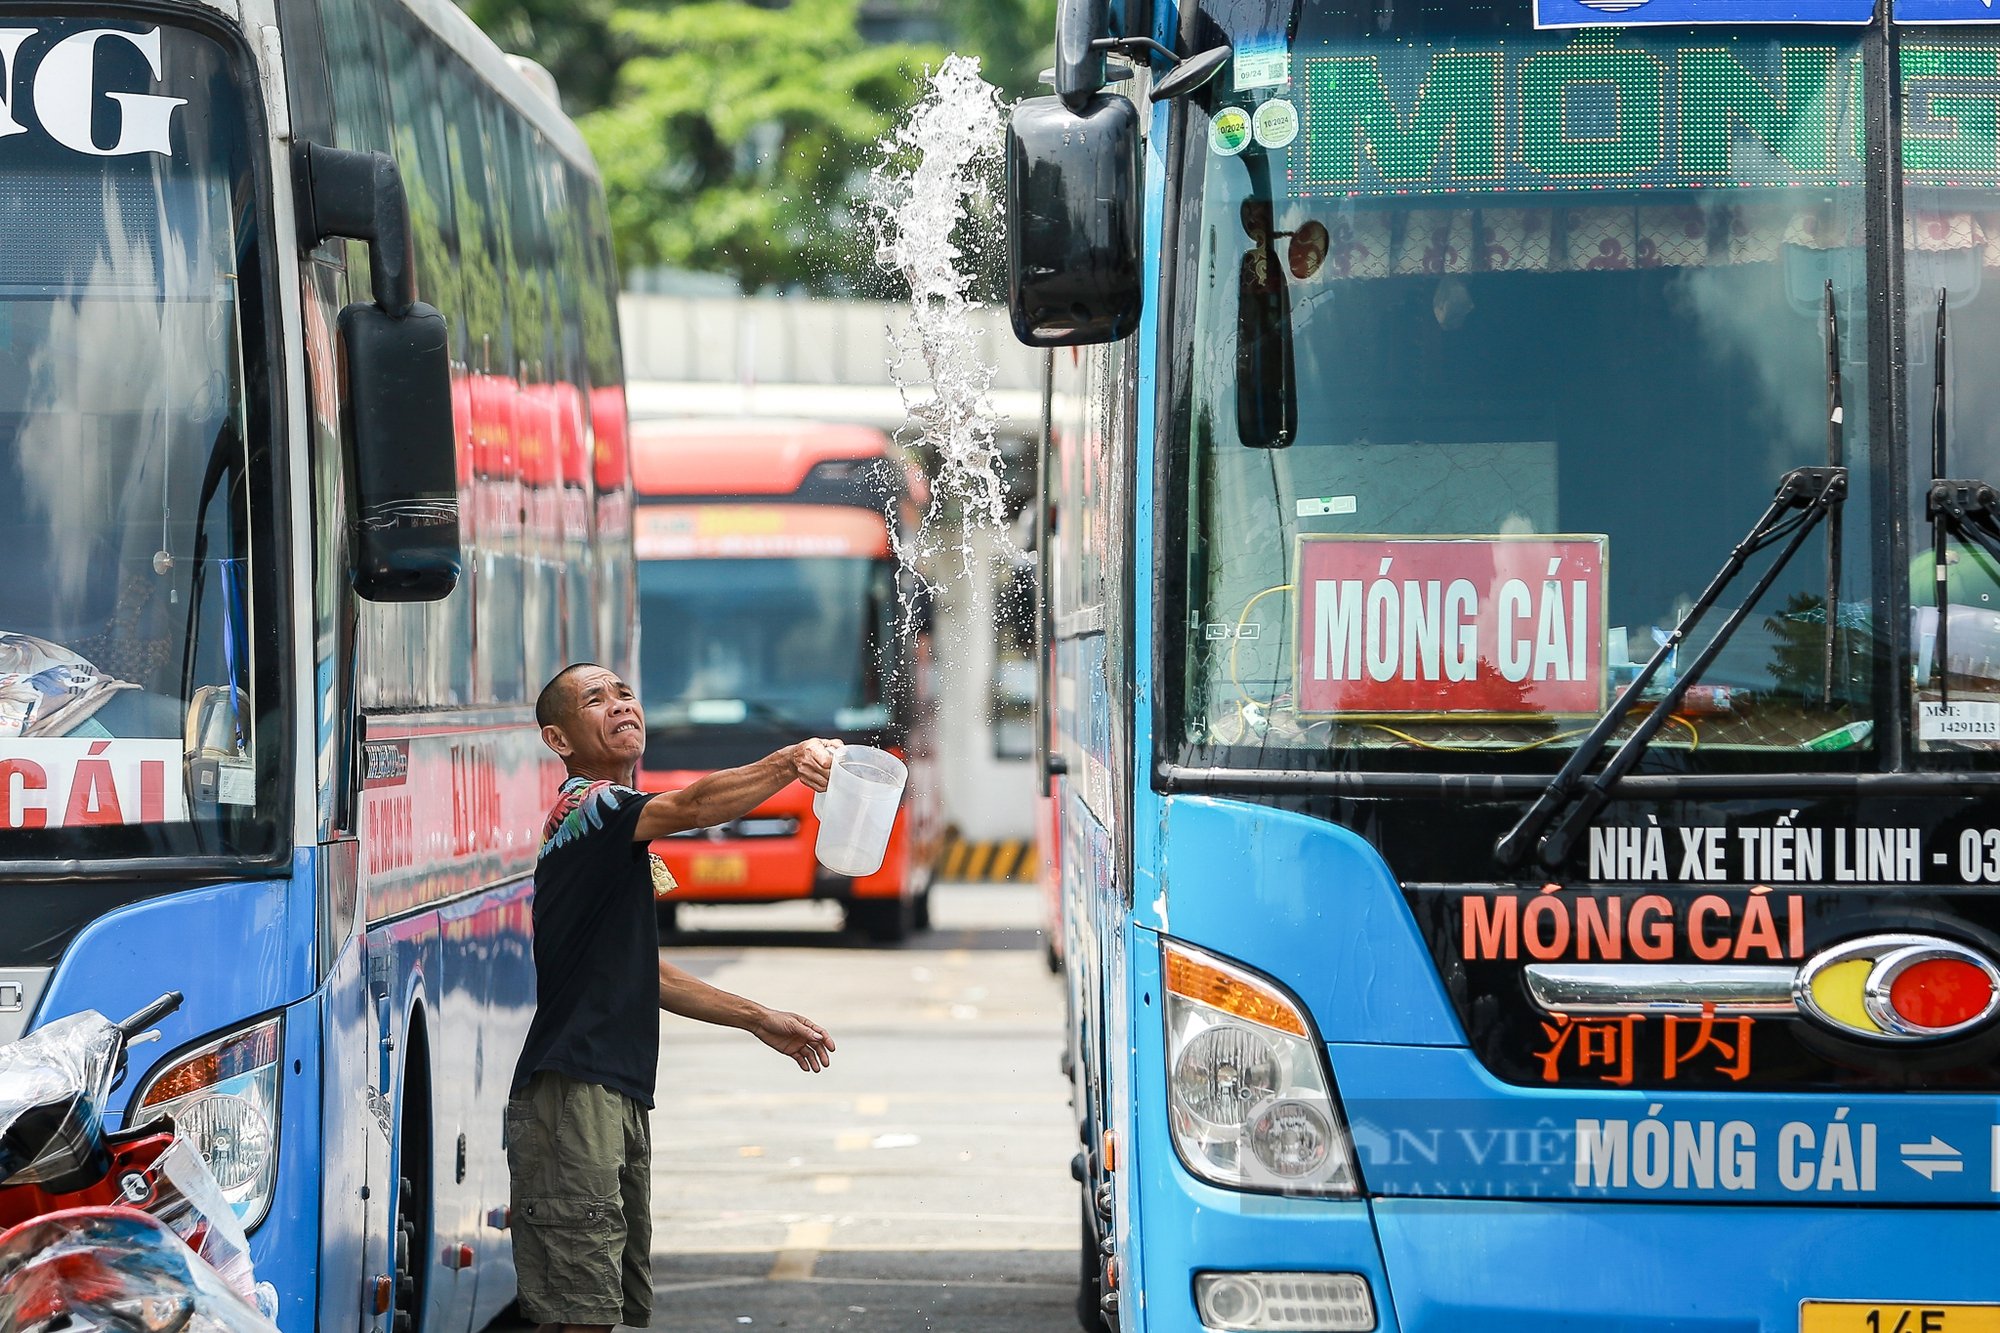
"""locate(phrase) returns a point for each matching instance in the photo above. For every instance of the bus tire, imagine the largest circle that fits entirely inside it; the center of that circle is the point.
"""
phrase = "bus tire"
(1090, 1275)
(921, 915)
(403, 1314)
(670, 918)
(883, 920)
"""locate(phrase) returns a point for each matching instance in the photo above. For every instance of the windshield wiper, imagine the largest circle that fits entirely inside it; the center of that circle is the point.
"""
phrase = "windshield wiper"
(1812, 490)
(1957, 507)
(1836, 455)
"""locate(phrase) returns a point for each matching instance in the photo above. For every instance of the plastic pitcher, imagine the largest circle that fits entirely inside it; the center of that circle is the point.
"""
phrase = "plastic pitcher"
(858, 809)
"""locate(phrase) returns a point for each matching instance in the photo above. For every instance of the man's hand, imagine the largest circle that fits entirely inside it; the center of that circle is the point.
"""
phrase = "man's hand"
(794, 1035)
(812, 761)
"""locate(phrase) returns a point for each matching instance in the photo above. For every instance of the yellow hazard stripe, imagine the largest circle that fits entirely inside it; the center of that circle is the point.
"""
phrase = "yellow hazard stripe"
(986, 860)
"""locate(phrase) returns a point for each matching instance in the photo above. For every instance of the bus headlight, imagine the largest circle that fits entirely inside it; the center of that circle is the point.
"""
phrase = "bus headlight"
(1248, 1097)
(224, 1100)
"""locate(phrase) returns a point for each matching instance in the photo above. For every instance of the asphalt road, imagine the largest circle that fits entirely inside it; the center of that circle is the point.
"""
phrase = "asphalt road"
(922, 1182)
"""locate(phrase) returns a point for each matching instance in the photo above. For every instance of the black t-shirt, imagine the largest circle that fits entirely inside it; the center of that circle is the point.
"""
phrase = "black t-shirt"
(597, 945)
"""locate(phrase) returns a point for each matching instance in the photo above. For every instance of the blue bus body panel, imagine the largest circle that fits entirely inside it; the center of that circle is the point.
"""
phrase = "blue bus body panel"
(233, 950)
(1314, 906)
(1187, 1226)
(285, 1247)
(1526, 1267)
(1433, 1122)
(1513, 1234)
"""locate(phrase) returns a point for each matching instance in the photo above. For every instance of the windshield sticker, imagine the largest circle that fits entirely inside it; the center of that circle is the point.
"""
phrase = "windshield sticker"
(1229, 132)
(1261, 67)
(1331, 504)
(82, 783)
(1275, 124)
(1958, 721)
(235, 782)
(66, 93)
(1477, 626)
(46, 689)
(1626, 13)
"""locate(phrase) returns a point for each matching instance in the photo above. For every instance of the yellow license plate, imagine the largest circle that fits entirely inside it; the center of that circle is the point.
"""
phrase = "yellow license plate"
(727, 868)
(1897, 1317)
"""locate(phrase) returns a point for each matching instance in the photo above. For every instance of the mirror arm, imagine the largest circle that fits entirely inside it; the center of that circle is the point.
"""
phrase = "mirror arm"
(1135, 47)
(360, 195)
(1079, 62)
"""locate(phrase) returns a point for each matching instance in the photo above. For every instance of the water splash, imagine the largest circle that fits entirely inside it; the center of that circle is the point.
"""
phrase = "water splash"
(936, 168)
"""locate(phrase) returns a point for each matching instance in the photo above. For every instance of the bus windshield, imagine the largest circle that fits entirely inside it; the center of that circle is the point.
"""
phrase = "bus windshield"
(781, 643)
(137, 636)
(1515, 333)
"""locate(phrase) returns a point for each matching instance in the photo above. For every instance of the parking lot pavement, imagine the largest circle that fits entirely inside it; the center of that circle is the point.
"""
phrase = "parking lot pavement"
(922, 1182)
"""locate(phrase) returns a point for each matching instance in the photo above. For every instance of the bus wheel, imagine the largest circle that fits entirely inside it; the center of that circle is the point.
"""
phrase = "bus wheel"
(1090, 1276)
(921, 917)
(883, 920)
(403, 1318)
(670, 918)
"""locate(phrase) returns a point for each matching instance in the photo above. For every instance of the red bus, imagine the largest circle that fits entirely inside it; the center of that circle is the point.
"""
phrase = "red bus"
(771, 607)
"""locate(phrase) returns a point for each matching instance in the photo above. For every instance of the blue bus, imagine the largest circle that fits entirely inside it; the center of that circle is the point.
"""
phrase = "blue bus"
(1520, 572)
(312, 469)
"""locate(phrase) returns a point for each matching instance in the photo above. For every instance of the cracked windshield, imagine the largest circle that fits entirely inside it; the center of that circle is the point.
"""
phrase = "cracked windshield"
(1514, 334)
(133, 627)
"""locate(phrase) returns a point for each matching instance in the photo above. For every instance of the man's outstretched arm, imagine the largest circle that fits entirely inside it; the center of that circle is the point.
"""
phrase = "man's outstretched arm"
(789, 1034)
(734, 792)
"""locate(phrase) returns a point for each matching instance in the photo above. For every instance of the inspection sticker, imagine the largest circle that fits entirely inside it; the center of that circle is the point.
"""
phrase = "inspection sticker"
(1229, 132)
(1331, 504)
(1265, 68)
(1275, 124)
(1958, 721)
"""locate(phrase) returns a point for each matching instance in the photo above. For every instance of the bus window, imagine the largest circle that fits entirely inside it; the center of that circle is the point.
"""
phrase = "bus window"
(135, 500)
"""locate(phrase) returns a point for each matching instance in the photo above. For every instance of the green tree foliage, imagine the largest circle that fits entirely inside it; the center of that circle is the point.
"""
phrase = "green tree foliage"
(1014, 39)
(739, 137)
(573, 39)
(735, 136)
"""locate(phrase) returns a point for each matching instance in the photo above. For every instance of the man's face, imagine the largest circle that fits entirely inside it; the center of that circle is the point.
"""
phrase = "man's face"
(604, 728)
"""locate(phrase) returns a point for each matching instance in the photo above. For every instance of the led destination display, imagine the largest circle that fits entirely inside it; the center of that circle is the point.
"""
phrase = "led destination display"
(1603, 111)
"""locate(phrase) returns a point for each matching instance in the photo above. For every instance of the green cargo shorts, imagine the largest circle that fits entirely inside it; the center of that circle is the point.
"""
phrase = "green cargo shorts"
(580, 1158)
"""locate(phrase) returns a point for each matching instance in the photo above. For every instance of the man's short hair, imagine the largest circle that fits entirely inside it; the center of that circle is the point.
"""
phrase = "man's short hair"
(553, 704)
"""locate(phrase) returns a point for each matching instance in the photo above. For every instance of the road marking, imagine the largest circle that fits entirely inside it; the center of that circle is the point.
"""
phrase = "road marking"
(852, 1140)
(704, 1284)
(874, 1104)
(803, 1241)
(832, 1184)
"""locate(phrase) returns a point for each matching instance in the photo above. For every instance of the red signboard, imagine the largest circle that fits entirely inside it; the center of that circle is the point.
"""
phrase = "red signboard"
(1484, 626)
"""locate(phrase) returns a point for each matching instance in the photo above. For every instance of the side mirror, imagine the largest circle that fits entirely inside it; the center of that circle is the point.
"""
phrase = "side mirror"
(404, 473)
(1075, 268)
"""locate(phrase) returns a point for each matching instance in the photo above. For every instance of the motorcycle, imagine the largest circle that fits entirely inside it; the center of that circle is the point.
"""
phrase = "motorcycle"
(100, 1231)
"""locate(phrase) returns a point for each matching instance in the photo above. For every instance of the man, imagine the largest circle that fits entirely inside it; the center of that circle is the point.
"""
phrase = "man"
(578, 1148)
